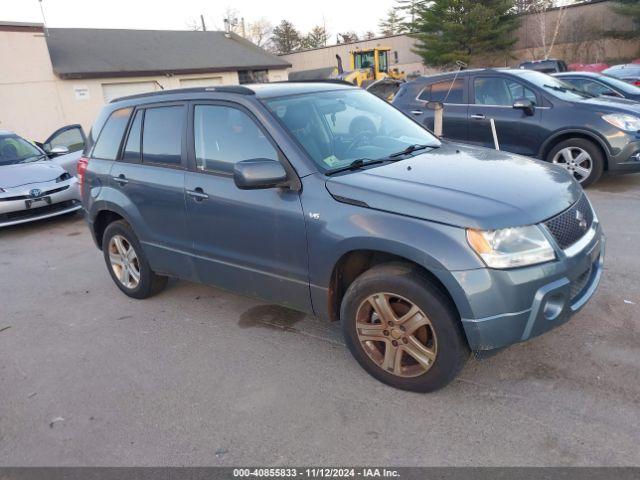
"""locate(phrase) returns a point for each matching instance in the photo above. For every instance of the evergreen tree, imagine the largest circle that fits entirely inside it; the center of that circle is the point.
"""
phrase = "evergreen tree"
(392, 24)
(316, 38)
(451, 30)
(286, 38)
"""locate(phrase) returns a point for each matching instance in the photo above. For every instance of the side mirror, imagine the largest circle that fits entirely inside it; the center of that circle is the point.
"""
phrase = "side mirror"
(525, 105)
(57, 151)
(259, 173)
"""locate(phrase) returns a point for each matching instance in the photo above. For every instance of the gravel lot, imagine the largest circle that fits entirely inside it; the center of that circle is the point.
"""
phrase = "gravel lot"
(196, 376)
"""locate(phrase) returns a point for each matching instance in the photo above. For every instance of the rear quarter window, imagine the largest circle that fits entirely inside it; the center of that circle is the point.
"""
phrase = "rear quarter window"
(110, 138)
(447, 91)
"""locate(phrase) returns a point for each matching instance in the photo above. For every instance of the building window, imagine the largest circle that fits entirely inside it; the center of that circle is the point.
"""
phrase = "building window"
(253, 76)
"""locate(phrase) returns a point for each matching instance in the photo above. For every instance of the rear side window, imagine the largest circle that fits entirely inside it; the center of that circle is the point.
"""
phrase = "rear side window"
(110, 138)
(132, 148)
(162, 135)
(447, 91)
(225, 136)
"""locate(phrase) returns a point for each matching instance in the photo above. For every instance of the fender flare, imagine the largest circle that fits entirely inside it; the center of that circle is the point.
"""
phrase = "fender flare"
(593, 135)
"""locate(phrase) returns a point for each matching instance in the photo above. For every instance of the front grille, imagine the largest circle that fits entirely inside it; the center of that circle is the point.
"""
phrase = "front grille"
(27, 197)
(566, 228)
(36, 212)
(580, 284)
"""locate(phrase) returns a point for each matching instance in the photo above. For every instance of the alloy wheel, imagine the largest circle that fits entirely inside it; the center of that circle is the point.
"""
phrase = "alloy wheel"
(576, 161)
(396, 335)
(124, 261)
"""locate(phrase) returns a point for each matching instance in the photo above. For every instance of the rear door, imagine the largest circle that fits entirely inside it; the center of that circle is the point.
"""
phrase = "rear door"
(150, 179)
(452, 93)
(492, 97)
(248, 241)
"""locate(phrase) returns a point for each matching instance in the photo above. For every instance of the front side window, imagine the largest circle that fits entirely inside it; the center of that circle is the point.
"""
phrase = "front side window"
(224, 136)
(162, 135)
(498, 91)
(110, 137)
(14, 149)
(338, 127)
(448, 91)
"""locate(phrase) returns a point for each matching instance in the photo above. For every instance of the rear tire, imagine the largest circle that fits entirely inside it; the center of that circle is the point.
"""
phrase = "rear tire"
(127, 263)
(582, 158)
(421, 359)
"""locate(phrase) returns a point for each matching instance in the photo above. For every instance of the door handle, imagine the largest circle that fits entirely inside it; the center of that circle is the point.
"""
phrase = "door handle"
(197, 194)
(416, 112)
(121, 179)
(478, 116)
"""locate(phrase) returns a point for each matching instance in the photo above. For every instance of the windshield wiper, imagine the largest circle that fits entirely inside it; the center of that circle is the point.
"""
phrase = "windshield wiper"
(33, 159)
(409, 150)
(355, 165)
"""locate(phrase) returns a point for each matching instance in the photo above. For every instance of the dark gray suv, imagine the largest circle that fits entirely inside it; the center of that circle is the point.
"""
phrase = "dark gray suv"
(324, 198)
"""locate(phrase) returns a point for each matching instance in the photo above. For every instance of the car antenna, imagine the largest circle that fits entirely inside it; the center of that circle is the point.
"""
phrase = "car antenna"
(461, 66)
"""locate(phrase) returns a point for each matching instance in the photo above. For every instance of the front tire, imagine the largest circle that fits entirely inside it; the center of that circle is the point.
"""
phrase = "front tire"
(581, 158)
(127, 263)
(402, 329)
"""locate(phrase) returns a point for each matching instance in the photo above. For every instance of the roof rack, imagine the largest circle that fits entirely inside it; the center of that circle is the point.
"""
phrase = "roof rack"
(237, 89)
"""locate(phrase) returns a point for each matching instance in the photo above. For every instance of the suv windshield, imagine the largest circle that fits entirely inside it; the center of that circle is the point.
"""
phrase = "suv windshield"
(553, 85)
(337, 128)
(14, 149)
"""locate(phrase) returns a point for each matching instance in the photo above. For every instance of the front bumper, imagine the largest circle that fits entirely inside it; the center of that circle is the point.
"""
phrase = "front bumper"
(627, 159)
(536, 299)
(56, 199)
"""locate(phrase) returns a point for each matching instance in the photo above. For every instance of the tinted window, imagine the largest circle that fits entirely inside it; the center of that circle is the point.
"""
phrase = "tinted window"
(224, 136)
(162, 135)
(132, 148)
(111, 135)
(500, 91)
(445, 92)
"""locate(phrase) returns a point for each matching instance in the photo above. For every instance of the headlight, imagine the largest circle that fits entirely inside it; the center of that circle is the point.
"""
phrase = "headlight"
(511, 247)
(629, 123)
(63, 177)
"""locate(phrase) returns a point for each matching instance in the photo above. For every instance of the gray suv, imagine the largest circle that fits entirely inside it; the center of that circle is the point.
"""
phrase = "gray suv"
(324, 198)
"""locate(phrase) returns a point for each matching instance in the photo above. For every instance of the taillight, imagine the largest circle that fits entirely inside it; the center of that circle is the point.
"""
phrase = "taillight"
(637, 83)
(83, 163)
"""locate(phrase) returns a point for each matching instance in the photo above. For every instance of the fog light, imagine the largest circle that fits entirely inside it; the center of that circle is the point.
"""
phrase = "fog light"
(553, 307)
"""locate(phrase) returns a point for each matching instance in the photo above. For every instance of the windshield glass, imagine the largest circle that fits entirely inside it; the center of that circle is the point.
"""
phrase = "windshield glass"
(553, 85)
(338, 127)
(14, 149)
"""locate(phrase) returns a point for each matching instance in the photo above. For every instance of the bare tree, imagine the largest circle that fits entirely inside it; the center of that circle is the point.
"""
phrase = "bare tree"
(259, 32)
(547, 23)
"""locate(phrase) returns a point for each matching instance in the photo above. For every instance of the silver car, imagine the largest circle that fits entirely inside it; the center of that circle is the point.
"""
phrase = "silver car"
(32, 187)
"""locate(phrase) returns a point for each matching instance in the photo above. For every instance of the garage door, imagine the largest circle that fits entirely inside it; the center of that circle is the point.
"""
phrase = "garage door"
(200, 82)
(111, 91)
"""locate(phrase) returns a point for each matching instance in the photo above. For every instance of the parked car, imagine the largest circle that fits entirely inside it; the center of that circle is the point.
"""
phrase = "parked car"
(550, 65)
(31, 186)
(587, 67)
(600, 85)
(326, 199)
(535, 115)
(629, 72)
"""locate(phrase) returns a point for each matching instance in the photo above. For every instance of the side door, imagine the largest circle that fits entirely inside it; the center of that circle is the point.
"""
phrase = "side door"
(68, 139)
(493, 97)
(248, 241)
(452, 94)
(149, 178)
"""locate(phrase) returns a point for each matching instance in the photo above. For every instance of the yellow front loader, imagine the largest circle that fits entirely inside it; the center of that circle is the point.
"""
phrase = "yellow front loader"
(369, 70)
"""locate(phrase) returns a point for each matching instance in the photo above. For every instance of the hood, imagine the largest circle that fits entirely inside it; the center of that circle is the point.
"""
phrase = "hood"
(462, 186)
(26, 173)
(611, 104)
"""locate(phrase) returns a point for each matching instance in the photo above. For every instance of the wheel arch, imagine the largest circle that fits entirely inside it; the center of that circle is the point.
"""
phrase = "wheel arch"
(103, 217)
(563, 135)
(353, 263)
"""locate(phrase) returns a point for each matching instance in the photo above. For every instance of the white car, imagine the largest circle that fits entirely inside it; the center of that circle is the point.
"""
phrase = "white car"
(33, 187)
